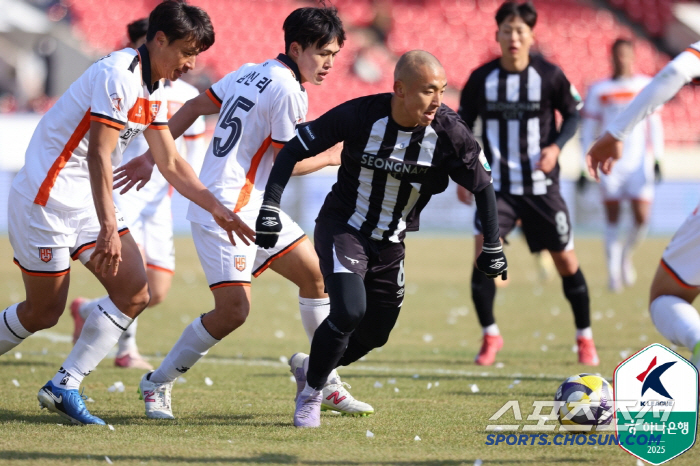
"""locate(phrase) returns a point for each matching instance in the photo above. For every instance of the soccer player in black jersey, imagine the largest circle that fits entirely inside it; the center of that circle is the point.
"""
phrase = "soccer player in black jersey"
(516, 96)
(399, 150)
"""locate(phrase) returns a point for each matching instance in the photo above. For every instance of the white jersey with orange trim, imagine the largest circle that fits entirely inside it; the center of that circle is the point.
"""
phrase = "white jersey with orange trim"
(261, 104)
(605, 100)
(189, 144)
(115, 90)
(677, 73)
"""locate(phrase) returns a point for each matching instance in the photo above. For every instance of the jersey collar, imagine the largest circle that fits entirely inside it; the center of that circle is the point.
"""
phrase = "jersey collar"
(146, 69)
(289, 63)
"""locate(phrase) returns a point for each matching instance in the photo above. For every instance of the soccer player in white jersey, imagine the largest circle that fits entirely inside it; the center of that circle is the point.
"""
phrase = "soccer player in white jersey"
(148, 213)
(633, 178)
(259, 106)
(677, 280)
(61, 207)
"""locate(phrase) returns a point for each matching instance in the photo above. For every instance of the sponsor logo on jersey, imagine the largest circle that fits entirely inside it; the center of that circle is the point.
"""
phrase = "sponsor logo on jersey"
(310, 133)
(116, 101)
(484, 162)
(155, 106)
(45, 254)
(395, 167)
(239, 263)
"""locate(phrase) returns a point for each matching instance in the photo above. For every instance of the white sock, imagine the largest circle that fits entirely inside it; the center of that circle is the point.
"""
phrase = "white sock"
(12, 333)
(491, 330)
(313, 312)
(193, 344)
(635, 236)
(102, 329)
(308, 391)
(87, 307)
(127, 342)
(677, 320)
(613, 251)
(584, 333)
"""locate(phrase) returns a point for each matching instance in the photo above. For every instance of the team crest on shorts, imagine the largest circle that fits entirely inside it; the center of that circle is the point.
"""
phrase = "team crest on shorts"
(45, 254)
(239, 263)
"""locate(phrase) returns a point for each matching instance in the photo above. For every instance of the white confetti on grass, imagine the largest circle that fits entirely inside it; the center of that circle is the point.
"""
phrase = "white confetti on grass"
(437, 384)
(292, 378)
(474, 388)
(111, 427)
(550, 336)
(391, 381)
(279, 334)
(427, 338)
(370, 434)
(209, 382)
(478, 463)
(625, 353)
(396, 389)
(544, 348)
(181, 380)
(417, 438)
(109, 461)
(284, 360)
(500, 365)
(430, 385)
(18, 355)
(15, 382)
(378, 384)
(117, 386)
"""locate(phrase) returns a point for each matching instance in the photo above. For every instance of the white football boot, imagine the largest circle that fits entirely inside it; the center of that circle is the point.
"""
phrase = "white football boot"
(157, 397)
(336, 397)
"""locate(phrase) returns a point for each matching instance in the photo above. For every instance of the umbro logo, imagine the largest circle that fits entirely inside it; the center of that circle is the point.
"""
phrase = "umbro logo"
(497, 264)
(182, 369)
(269, 223)
(352, 261)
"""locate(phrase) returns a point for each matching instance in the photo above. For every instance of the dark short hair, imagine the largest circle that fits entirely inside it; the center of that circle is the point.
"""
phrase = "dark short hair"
(313, 26)
(621, 41)
(525, 11)
(179, 20)
(137, 29)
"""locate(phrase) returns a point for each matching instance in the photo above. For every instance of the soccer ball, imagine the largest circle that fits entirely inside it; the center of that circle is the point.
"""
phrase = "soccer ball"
(586, 401)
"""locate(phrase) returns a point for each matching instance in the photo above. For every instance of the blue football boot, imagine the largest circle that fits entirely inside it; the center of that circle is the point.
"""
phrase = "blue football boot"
(66, 403)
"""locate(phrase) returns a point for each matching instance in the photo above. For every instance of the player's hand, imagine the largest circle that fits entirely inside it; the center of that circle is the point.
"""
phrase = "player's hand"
(135, 173)
(603, 155)
(581, 182)
(464, 195)
(492, 261)
(658, 176)
(268, 226)
(232, 223)
(548, 158)
(108, 252)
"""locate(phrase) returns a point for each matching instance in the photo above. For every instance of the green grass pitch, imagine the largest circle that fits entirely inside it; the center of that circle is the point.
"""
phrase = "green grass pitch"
(245, 417)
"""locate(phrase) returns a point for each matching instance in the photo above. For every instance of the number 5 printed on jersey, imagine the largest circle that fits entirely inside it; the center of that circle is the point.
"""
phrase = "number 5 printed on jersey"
(221, 149)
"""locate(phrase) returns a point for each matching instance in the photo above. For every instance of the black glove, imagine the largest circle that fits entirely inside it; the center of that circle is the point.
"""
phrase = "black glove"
(268, 226)
(581, 182)
(657, 172)
(492, 262)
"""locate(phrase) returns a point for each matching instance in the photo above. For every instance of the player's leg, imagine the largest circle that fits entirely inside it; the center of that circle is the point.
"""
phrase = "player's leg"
(44, 260)
(547, 225)
(343, 257)
(613, 248)
(159, 255)
(675, 287)
(641, 191)
(127, 297)
(228, 272)
(484, 288)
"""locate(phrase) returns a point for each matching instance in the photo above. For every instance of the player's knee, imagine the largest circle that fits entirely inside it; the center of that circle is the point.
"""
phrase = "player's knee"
(347, 318)
(232, 315)
(157, 297)
(313, 287)
(40, 317)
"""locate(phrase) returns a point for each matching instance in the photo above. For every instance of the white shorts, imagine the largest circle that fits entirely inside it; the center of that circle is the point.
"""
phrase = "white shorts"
(227, 265)
(637, 185)
(151, 225)
(44, 240)
(680, 259)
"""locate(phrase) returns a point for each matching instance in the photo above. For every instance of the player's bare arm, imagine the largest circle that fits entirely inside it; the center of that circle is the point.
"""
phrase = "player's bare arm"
(548, 158)
(107, 253)
(178, 172)
(329, 158)
(138, 171)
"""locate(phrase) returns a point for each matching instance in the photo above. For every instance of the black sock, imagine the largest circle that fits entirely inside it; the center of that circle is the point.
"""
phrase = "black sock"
(483, 295)
(327, 348)
(576, 291)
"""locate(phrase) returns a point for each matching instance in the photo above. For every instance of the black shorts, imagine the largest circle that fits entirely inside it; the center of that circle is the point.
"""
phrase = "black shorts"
(544, 220)
(343, 249)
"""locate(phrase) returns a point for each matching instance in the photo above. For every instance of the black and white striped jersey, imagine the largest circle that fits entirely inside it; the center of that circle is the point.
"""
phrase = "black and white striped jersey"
(388, 172)
(518, 120)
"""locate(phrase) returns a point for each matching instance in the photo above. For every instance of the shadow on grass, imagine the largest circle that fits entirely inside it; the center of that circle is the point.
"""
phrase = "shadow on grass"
(266, 458)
